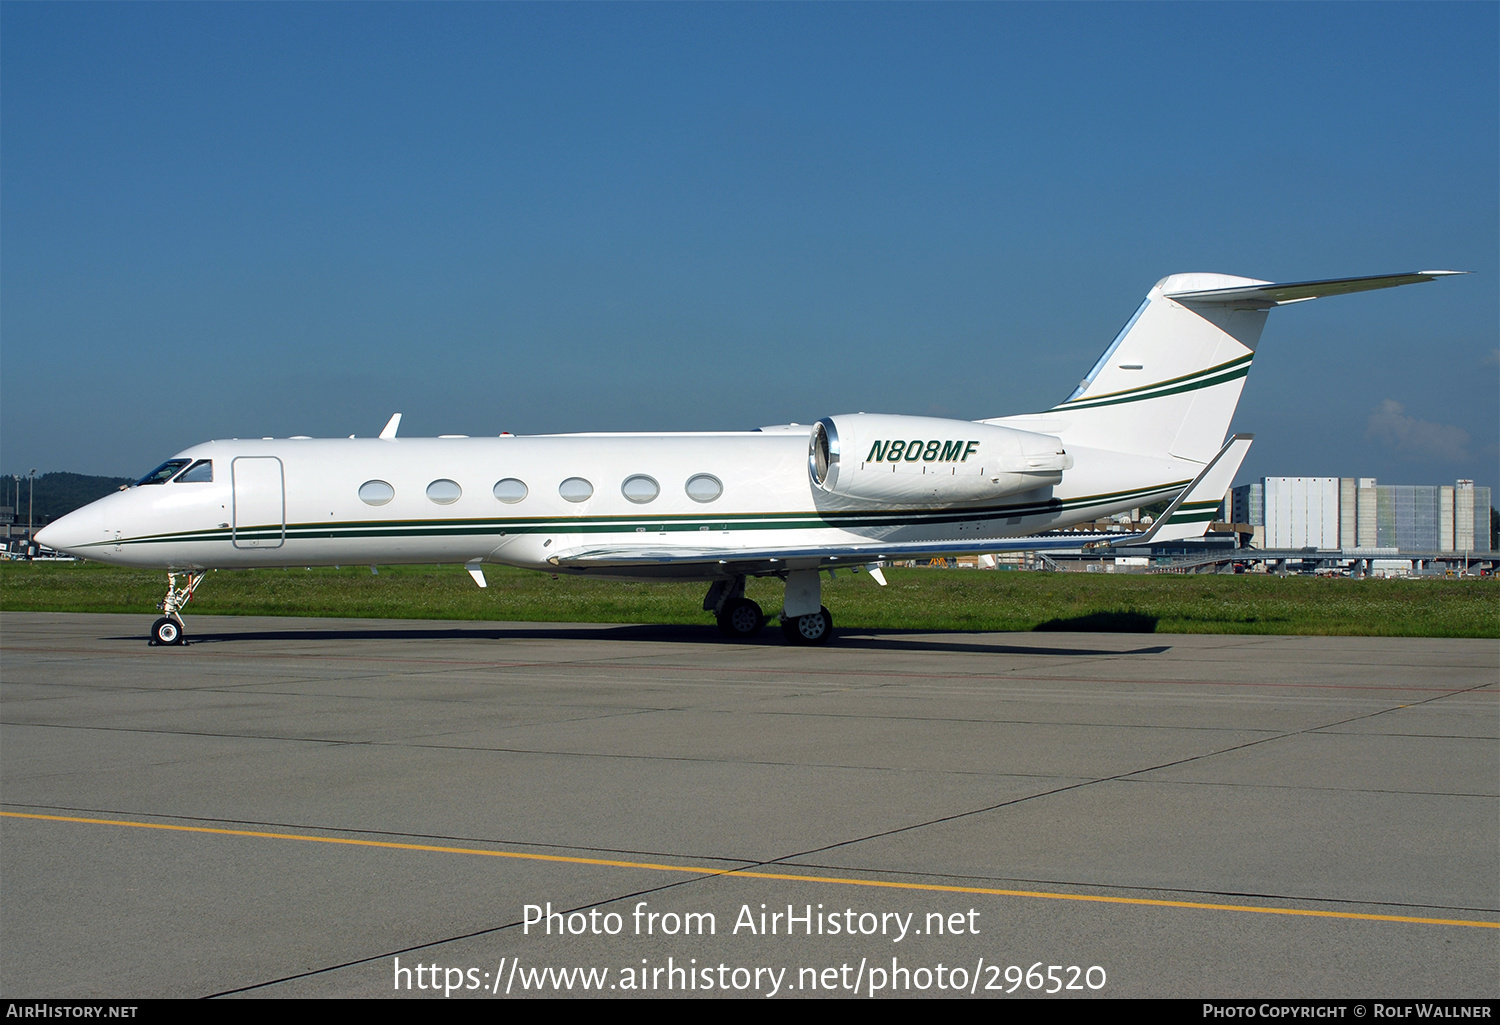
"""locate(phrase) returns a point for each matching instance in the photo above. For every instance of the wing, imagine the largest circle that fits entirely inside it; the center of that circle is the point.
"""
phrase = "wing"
(771, 560)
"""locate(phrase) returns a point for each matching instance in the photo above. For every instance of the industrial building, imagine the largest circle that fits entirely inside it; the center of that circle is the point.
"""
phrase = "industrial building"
(1325, 525)
(1348, 513)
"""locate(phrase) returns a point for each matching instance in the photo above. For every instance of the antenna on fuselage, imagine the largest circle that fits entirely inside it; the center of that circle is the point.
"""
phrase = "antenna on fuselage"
(389, 431)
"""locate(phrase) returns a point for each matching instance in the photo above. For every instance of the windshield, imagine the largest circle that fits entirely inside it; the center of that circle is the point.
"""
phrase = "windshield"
(164, 472)
(201, 472)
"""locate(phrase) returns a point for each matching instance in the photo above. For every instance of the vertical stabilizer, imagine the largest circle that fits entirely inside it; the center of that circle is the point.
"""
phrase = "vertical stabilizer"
(1168, 384)
(1170, 381)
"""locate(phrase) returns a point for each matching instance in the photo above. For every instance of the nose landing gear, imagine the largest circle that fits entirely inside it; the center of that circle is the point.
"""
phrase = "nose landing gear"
(169, 629)
(166, 631)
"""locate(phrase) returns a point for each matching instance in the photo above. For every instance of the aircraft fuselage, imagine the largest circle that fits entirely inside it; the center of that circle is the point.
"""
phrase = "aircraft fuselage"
(298, 502)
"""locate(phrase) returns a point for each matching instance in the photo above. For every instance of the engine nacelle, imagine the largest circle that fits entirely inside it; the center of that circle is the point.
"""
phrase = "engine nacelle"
(927, 461)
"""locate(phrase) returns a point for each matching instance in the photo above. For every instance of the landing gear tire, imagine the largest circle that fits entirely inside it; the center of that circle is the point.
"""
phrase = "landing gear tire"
(813, 628)
(166, 631)
(741, 619)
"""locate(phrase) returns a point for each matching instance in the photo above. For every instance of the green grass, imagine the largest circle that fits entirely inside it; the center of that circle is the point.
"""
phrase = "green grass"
(917, 599)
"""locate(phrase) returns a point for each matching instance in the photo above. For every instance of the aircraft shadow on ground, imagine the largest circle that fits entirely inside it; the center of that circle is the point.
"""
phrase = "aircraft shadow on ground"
(859, 639)
(1103, 623)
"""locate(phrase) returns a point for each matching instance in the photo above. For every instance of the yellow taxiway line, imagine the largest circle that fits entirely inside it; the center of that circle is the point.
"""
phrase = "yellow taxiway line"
(750, 874)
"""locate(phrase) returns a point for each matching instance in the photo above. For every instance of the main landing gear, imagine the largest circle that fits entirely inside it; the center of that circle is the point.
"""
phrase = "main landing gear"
(739, 618)
(813, 628)
(169, 629)
(742, 620)
(804, 620)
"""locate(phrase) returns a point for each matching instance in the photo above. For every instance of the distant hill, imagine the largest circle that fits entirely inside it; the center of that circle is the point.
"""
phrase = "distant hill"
(57, 494)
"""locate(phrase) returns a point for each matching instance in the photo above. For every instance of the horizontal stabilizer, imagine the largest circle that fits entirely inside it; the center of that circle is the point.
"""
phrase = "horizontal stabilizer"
(1272, 294)
(1192, 511)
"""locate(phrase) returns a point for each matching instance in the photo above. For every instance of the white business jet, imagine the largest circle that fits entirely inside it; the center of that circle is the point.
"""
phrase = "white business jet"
(1148, 423)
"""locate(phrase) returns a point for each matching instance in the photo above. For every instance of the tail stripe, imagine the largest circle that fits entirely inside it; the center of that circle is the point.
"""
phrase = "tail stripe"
(1231, 371)
(1195, 512)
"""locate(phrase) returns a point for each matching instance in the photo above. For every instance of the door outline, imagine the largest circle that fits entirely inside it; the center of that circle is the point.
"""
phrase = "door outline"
(259, 497)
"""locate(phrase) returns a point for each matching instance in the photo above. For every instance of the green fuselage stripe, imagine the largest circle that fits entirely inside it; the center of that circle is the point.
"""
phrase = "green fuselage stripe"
(649, 524)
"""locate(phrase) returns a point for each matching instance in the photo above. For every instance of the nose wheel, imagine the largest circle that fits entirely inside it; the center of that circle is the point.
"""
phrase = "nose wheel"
(168, 629)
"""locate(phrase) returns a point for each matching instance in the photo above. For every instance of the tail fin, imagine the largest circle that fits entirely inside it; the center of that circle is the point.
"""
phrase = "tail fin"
(1169, 382)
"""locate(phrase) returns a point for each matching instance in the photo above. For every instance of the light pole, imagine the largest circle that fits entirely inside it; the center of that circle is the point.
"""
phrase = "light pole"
(30, 507)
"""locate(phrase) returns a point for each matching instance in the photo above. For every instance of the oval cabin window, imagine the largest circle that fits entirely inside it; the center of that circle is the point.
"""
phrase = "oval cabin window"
(444, 492)
(510, 491)
(704, 487)
(640, 489)
(576, 489)
(376, 492)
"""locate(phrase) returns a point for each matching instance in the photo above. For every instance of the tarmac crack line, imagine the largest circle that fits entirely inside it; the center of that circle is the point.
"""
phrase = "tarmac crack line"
(440, 942)
(1120, 776)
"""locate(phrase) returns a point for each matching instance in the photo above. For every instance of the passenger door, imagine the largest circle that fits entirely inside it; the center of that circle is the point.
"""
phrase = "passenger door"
(259, 502)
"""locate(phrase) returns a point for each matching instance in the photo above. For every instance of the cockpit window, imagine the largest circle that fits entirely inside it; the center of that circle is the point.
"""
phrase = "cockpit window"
(164, 472)
(201, 472)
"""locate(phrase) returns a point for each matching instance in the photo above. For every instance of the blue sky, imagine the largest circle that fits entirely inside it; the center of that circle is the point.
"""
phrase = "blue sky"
(237, 220)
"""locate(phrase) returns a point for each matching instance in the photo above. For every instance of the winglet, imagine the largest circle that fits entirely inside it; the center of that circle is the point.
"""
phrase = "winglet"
(391, 425)
(1198, 505)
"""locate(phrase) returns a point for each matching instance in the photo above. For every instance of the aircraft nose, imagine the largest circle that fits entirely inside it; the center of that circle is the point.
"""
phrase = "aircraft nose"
(74, 530)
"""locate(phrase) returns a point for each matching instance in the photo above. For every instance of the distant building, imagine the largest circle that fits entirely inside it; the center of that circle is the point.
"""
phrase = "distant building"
(1301, 512)
(1330, 513)
(1248, 505)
